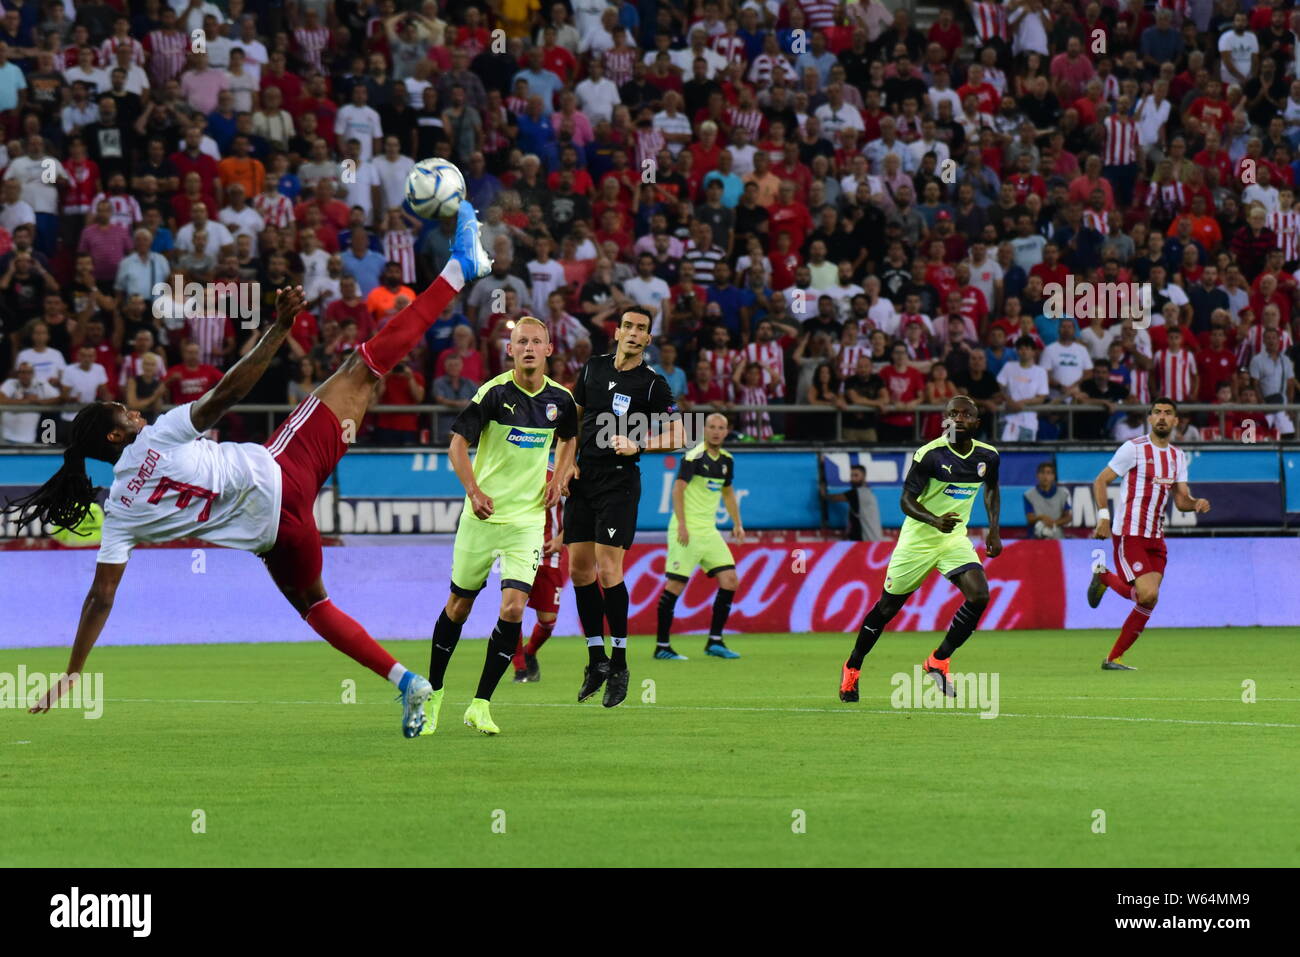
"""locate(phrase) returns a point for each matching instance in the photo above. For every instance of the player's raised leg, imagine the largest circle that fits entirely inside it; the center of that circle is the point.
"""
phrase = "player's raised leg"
(347, 393)
(974, 587)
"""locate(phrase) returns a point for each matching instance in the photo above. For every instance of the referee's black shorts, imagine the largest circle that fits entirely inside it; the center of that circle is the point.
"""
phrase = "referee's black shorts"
(602, 505)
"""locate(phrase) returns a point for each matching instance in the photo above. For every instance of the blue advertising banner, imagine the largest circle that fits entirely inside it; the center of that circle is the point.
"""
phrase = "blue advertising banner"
(417, 492)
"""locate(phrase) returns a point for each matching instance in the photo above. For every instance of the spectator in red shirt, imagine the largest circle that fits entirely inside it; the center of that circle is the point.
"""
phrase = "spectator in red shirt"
(986, 94)
(788, 216)
(1215, 365)
(946, 33)
(402, 386)
(1211, 109)
(704, 389)
(906, 386)
(189, 380)
(1051, 269)
(350, 306)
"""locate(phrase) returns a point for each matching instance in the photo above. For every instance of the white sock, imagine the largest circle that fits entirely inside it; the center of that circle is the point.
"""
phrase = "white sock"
(396, 674)
(595, 640)
(717, 638)
(618, 642)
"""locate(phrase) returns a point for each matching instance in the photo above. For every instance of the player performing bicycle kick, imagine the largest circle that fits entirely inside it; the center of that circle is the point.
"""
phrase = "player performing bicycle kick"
(171, 483)
(938, 495)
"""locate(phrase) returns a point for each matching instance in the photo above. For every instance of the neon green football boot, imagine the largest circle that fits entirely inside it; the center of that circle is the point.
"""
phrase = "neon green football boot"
(431, 709)
(478, 717)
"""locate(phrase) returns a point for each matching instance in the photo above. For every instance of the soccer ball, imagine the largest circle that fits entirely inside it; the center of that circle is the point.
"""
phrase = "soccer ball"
(434, 188)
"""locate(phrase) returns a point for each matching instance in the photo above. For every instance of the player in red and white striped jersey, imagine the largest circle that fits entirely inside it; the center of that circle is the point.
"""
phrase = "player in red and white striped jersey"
(1152, 472)
(1176, 369)
(552, 574)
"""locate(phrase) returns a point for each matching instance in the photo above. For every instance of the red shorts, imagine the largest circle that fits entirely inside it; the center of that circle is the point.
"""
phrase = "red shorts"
(1135, 556)
(547, 587)
(307, 447)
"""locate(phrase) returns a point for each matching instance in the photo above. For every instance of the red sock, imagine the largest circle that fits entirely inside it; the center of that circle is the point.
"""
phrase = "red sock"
(541, 631)
(518, 659)
(345, 634)
(393, 343)
(1118, 585)
(1133, 625)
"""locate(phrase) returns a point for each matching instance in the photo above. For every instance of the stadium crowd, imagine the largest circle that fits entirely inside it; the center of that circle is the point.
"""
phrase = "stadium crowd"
(818, 202)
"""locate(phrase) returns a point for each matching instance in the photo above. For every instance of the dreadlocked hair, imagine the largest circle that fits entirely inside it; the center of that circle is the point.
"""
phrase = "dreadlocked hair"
(65, 500)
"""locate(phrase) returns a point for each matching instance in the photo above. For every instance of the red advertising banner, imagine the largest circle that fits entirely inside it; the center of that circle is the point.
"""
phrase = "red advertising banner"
(830, 586)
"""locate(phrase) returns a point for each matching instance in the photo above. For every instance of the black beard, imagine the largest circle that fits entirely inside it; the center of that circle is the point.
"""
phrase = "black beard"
(1155, 430)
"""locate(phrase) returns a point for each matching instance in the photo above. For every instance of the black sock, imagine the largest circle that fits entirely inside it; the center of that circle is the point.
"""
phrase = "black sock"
(721, 609)
(963, 624)
(667, 605)
(868, 634)
(500, 651)
(445, 635)
(591, 613)
(616, 615)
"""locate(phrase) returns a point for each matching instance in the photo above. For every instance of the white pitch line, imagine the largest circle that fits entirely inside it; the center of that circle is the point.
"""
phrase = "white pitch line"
(665, 707)
(1019, 697)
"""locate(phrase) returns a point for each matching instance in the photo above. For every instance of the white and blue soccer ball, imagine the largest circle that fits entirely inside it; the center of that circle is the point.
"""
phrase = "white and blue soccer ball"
(434, 188)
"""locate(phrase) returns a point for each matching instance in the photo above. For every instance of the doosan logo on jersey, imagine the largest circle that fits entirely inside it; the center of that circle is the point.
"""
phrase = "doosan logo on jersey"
(527, 440)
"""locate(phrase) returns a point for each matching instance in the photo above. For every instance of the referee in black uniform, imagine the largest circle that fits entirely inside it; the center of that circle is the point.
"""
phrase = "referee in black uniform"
(617, 394)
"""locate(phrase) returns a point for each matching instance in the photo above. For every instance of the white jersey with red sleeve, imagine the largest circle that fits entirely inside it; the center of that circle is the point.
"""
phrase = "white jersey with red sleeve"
(1147, 475)
(171, 483)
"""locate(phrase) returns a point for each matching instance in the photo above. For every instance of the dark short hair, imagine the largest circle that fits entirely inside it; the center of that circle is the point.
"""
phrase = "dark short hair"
(1164, 400)
(1046, 465)
(1025, 341)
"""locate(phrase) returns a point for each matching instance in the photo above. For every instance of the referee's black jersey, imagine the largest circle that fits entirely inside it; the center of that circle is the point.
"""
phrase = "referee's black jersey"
(619, 402)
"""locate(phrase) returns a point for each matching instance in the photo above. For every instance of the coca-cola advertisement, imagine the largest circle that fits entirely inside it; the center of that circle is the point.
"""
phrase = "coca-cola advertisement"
(829, 586)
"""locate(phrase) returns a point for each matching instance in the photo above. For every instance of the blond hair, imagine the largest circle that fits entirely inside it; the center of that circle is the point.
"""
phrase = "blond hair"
(532, 321)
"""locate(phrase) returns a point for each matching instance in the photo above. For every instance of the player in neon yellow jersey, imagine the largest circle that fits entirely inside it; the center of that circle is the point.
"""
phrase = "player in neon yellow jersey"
(938, 495)
(704, 478)
(514, 418)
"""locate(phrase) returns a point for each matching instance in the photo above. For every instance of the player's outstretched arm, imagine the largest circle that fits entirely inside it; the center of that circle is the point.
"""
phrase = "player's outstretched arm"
(94, 615)
(1099, 498)
(1185, 502)
(244, 374)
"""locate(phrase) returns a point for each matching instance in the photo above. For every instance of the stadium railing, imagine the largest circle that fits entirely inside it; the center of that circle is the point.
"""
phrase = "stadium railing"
(1216, 422)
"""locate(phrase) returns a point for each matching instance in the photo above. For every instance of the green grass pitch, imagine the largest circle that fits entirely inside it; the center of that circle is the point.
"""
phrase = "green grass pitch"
(714, 772)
